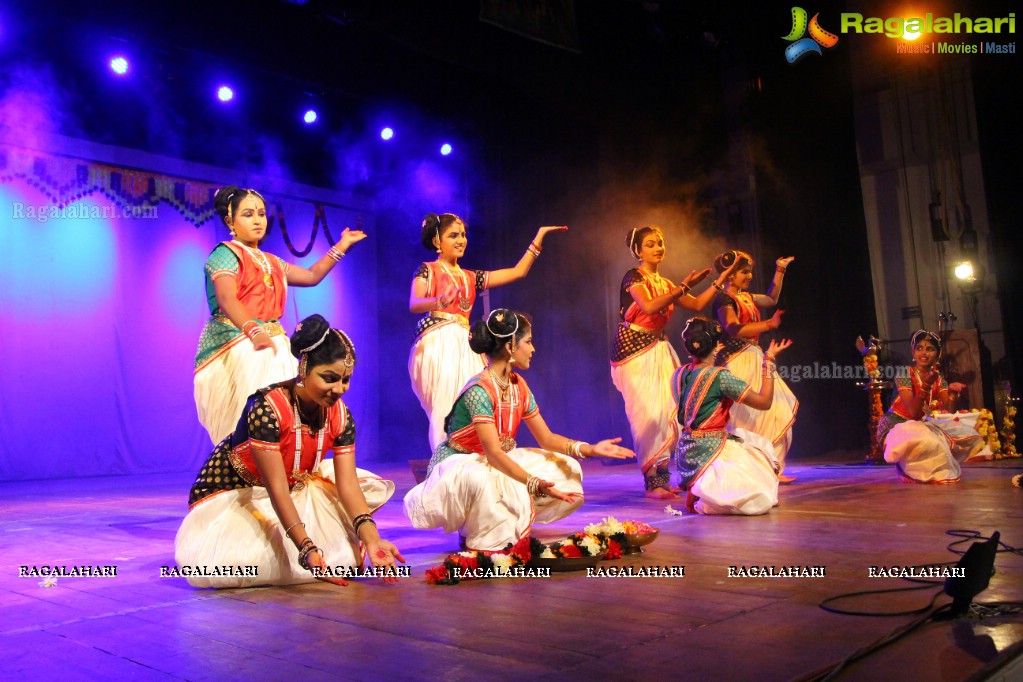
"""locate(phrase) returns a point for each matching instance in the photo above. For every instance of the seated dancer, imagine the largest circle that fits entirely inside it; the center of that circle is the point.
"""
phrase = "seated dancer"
(267, 498)
(926, 451)
(738, 311)
(725, 473)
(479, 482)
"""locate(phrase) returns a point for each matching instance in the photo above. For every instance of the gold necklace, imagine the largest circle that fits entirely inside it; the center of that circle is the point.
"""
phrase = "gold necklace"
(261, 260)
(463, 301)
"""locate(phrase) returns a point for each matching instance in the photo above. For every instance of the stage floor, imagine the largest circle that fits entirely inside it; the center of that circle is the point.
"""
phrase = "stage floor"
(705, 625)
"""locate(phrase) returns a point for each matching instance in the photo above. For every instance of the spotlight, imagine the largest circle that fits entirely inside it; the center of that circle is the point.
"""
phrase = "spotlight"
(310, 117)
(386, 134)
(964, 271)
(445, 149)
(225, 94)
(119, 65)
(969, 276)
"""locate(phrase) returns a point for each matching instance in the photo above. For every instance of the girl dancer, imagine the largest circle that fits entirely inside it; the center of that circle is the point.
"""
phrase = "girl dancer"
(642, 360)
(440, 362)
(738, 311)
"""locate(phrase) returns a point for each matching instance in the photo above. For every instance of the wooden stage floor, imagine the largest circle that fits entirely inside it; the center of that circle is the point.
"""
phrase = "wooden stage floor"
(704, 625)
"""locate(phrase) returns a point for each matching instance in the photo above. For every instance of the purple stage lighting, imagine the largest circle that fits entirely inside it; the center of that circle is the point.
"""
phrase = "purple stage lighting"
(309, 117)
(445, 149)
(119, 65)
(225, 94)
(386, 134)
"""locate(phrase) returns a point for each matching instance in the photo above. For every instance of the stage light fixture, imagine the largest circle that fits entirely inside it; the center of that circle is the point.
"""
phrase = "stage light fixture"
(445, 149)
(225, 93)
(119, 65)
(964, 271)
(386, 134)
(309, 117)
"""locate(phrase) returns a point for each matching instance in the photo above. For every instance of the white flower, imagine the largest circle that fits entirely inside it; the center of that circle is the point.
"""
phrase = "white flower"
(547, 553)
(502, 562)
(594, 529)
(613, 526)
(50, 581)
(590, 544)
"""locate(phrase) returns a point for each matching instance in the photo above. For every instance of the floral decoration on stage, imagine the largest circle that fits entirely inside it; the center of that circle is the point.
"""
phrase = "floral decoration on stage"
(1008, 432)
(467, 565)
(576, 546)
(601, 541)
(616, 534)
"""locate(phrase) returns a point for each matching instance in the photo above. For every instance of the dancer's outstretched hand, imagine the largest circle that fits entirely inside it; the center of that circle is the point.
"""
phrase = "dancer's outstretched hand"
(548, 489)
(349, 237)
(784, 262)
(610, 449)
(383, 554)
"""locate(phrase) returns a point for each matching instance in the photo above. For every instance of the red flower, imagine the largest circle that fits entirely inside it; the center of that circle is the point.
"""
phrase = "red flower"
(570, 551)
(614, 550)
(521, 550)
(437, 575)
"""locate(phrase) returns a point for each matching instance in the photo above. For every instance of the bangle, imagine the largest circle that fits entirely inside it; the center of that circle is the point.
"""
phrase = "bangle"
(303, 555)
(363, 522)
(288, 529)
(684, 292)
(577, 449)
(335, 253)
(780, 269)
(569, 444)
(533, 251)
(719, 287)
(533, 487)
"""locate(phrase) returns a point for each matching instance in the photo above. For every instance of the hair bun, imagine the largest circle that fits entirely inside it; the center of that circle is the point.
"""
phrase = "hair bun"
(701, 335)
(222, 199)
(307, 332)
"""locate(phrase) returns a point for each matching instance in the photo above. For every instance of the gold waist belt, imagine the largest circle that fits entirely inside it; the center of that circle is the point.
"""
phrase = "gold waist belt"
(643, 330)
(451, 317)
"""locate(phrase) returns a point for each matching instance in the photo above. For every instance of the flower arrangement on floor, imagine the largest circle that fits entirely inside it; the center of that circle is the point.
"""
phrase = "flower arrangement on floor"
(472, 564)
(986, 428)
(615, 533)
(575, 546)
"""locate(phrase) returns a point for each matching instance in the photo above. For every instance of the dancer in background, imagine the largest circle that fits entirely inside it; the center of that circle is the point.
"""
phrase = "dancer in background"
(738, 311)
(724, 473)
(642, 360)
(266, 496)
(243, 346)
(440, 361)
(479, 481)
(926, 451)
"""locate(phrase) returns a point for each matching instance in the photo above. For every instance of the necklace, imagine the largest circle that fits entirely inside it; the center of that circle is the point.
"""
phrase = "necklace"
(658, 286)
(509, 405)
(463, 301)
(296, 467)
(261, 260)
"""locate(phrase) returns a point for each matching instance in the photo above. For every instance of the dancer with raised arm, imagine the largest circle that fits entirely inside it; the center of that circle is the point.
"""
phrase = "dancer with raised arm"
(724, 473)
(243, 346)
(444, 293)
(642, 360)
(738, 311)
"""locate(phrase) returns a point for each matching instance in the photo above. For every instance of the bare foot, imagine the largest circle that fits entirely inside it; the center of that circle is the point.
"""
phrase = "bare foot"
(785, 479)
(661, 494)
(691, 502)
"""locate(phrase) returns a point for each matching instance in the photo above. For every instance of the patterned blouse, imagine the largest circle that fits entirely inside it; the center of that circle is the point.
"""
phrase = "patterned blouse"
(268, 423)
(468, 282)
(480, 403)
(638, 330)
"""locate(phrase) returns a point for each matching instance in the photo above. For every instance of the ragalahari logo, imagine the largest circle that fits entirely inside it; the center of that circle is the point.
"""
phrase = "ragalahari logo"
(802, 46)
